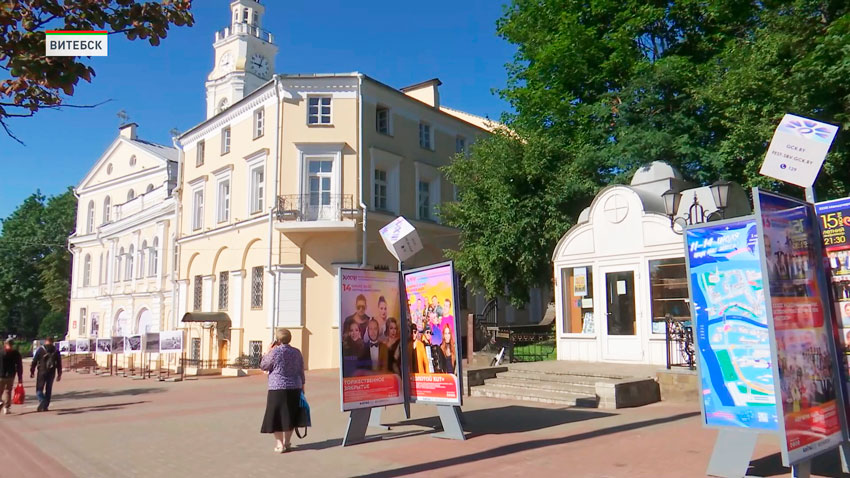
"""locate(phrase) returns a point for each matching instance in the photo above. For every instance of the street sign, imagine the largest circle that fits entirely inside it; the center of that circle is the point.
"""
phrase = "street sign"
(401, 239)
(797, 150)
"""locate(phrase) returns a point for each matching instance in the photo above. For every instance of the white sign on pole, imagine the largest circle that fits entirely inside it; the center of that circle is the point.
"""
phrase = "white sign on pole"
(401, 239)
(797, 150)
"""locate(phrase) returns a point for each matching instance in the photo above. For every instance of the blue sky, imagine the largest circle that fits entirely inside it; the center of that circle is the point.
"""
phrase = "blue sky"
(163, 87)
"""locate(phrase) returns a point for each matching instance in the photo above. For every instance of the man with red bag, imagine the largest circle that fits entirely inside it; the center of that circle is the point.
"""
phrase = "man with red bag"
(11, 364)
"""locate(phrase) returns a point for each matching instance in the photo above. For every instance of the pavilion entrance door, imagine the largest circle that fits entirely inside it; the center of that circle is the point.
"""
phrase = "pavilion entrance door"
(621, 334)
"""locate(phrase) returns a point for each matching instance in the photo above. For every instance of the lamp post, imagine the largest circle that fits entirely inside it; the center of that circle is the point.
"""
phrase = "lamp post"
(720, 193)
(695, 215)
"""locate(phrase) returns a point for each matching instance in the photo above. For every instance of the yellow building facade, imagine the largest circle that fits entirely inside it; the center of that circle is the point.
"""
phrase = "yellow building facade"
(283, 185)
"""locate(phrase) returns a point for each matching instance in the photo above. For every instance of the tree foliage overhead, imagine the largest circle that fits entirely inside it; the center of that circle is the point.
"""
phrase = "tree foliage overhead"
(30, 81)
(699, 84)
(35, 265)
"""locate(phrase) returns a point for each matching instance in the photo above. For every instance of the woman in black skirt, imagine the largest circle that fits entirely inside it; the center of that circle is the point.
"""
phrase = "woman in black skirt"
(285, 366)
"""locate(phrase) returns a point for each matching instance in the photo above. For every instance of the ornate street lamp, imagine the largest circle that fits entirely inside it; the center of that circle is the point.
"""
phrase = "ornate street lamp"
(720, 193)
(671, 203)
(695, 215)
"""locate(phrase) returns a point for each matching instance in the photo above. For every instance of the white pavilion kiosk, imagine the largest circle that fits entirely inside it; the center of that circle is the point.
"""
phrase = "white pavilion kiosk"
(620, 271)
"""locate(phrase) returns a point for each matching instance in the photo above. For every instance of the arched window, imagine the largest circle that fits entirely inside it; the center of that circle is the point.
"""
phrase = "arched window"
(107, 209)
(141, 272)
(128, 268)
(130, 195)
(235, 15)
(87, 271)
(154, 256)
(149, 188)
(133, 160)
(117, 274)
(222, 105)
(90, 218)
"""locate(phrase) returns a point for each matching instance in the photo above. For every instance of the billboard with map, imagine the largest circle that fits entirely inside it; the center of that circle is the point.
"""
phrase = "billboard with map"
(730, 325)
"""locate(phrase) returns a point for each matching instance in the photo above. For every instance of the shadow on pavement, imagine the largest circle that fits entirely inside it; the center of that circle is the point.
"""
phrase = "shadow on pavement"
(827, 464)
(95, 408)
(511, 419)
(84, 394)
(523, 446)
(336, 442)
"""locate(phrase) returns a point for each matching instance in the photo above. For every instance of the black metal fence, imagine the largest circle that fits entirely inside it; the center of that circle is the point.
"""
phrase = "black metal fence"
(527, 343)
(318, 206)
(680, 343)
(203, 364)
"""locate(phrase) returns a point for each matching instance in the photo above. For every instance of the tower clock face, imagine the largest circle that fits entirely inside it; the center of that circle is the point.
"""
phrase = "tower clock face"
(225, 61)
(259, 65)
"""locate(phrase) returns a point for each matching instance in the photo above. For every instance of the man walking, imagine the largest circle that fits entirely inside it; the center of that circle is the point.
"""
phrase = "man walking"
(11, 364)
(49, 364)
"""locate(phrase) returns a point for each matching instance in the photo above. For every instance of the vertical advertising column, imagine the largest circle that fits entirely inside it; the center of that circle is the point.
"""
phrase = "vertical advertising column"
(370, 339)
(804, 349)
(835, 227)
(434, 362)
(731, 326)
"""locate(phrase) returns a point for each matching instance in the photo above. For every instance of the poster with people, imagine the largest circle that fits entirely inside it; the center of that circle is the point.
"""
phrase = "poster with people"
(370, 337)
(64, 347)
(434, 355)
(118, 345)
(171, 341)
(83, 346)
(104, 346)
(803, 338)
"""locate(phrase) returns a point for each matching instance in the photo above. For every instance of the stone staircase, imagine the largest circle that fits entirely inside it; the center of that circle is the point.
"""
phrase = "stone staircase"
(579, 389)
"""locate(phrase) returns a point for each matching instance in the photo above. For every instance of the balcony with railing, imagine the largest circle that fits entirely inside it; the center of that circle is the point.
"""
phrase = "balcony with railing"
(244, 29)
(139, 203)
(318, 211)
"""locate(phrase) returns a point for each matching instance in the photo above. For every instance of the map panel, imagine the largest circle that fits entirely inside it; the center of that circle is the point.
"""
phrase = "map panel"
(731, 330)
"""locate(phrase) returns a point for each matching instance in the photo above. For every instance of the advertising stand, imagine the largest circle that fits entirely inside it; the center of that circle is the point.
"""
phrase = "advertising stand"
(407, 350)
(764, 338)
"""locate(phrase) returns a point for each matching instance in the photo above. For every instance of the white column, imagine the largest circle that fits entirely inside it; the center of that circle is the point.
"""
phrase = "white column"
(110, 265)
(207, 293)
(182, 302)
(237, 281)
(136, 254)
(160, 254)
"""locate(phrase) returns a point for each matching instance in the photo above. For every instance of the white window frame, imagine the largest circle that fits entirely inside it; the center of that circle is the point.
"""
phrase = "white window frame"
(317, 151)
(197, 186)
(320, 115)
(426, 172)
(154, 257)
(259, 122)
(200, 152)
(226, 138)
(223, 205)
(257, 192)
(430, 139)
(107, 209)
(460, 145)
(382, 183)
(380, 107)
(90, 218)
(87, 270)
(131, 194)
(391, 163)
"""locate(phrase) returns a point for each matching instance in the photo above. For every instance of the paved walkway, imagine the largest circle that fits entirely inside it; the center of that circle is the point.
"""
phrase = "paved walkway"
(118, 427)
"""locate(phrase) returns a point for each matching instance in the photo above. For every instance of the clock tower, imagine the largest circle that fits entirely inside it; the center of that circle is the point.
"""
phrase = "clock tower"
(244, 57)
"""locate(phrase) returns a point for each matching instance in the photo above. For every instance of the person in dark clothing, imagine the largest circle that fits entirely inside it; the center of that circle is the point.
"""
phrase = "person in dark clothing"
(49, 363)
(11, 364)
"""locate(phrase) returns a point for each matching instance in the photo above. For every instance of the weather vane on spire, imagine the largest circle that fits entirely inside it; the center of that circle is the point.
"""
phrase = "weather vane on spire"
(123, 116)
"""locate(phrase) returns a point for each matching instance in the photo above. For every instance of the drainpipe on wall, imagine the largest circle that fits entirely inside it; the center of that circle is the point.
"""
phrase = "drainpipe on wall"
(362, 205)
(277, 139)
(175, 268)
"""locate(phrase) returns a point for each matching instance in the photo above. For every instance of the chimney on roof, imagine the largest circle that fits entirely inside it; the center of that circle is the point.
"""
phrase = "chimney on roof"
(128, 130)
(425, 92)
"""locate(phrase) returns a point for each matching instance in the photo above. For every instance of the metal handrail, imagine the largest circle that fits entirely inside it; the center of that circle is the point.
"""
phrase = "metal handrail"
(315, 207)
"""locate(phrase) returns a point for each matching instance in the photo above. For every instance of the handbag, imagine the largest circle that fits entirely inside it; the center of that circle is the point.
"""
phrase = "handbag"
(303, 419)
(18, 395)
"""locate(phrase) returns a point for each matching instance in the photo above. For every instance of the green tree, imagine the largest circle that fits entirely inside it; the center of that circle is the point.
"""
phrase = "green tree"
(517, 193)
(701, 85)
(35, 81)
(35, 262)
